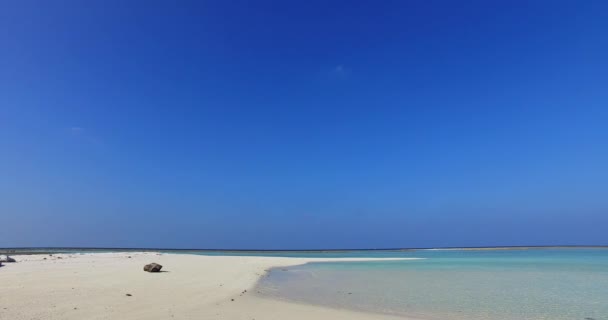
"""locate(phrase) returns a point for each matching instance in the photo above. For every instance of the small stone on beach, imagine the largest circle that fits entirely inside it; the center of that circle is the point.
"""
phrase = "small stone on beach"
(4, 258)
(153, 267)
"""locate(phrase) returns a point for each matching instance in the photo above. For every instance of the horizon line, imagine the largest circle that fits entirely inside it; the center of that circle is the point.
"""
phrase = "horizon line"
(521, 247)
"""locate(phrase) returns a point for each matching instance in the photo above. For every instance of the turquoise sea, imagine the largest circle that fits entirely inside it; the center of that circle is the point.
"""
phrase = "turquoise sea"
(514, 284)
(447, 284)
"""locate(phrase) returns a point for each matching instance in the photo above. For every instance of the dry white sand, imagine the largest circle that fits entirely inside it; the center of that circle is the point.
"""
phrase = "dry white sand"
(95, 286)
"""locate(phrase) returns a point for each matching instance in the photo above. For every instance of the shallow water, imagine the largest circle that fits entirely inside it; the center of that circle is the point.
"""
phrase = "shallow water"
(530, 284)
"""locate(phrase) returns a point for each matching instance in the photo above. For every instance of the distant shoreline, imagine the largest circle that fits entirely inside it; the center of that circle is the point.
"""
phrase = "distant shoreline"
(47, 250)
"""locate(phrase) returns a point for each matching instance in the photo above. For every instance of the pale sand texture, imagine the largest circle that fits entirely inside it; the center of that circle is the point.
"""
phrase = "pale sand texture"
(94, 286)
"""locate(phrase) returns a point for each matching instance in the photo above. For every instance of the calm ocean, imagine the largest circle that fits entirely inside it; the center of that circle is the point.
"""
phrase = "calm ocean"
(519, 284)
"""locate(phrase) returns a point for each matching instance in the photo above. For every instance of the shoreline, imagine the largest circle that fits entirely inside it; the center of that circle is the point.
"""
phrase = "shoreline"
(98, 285)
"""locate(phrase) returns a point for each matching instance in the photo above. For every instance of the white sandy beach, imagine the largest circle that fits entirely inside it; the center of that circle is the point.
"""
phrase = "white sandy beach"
(95, 286)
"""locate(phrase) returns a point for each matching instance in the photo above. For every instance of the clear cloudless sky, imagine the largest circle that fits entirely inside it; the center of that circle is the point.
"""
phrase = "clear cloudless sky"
(303, 124)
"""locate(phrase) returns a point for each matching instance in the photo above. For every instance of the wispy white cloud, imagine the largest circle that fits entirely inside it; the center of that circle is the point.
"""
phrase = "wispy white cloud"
(76, 130)
(83, 134)
(340, 71)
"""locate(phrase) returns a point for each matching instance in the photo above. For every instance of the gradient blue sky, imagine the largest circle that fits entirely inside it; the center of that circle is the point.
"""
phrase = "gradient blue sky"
(303, 124)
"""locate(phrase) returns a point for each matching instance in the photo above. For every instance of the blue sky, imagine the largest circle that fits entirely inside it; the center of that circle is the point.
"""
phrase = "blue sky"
(310, 124)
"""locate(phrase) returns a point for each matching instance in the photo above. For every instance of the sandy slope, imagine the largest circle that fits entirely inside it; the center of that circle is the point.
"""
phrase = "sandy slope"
(95, 286)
